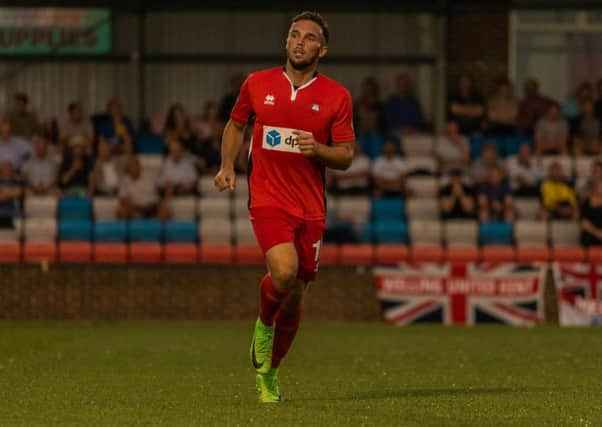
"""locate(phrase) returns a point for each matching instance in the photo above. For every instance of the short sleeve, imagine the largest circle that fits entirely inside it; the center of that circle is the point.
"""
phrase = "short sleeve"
(342, 126)
(243, 108)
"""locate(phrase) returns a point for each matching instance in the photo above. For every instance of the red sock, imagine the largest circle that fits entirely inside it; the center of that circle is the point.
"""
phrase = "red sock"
(270, 301)
(287, 325)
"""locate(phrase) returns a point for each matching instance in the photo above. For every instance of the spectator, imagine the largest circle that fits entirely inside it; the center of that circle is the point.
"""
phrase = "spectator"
(525, 173)
(177, 126)
(495, 198)
(452, 149)
(40, 172)
(587, 132)
(502, 110)
(179, 174)
(532, 107)
(552, 132)
(598, 104)
(108, 170)
(559, 201)
(228, 101)
(456, 199)
(591, 217)
(402, 110)
(479, 171)
(571, 108)
(585, 186)
(11, 191)
(138, 197)
(466, 106)
(76, 170)
(356, 179)
(23, 123)
(369, 109)
(116, 128)
(388, 172)
(76, 124)
(13, 149)
(208, 124)
(207, 151)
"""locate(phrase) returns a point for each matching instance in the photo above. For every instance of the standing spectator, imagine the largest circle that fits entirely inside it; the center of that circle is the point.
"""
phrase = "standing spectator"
(228, 101)
(552, 132)
(591, 217)
(587, 132)
(356, 179)
(177, 127)
(23, 123)
(402, 110)
(11, 191)
(40, 172)
(179, 174)
(13, 149)
(502, 110)
(495, 198)
(559, 201)
(466, 106)
(452, 149)
(116, 127)
(479, 171)
(138, 197)
(388, 172)
(76, 170)
(532, 107)
(108, 170)
(456, 199)
(76, 124)
(525, 173)
(369, 109)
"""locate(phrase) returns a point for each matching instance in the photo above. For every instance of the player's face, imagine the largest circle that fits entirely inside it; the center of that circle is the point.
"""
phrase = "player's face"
(305, 44)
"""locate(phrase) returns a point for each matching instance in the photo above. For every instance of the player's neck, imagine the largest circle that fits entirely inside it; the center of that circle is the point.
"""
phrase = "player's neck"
(300, 77)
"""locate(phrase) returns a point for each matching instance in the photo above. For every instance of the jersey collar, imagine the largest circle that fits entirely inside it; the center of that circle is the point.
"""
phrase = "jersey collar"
(295, 90)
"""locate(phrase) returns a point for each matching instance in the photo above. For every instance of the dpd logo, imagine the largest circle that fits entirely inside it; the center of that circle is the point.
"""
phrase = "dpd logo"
(272, 138)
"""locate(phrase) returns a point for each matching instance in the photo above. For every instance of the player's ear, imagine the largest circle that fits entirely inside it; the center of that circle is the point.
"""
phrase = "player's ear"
(323, 51)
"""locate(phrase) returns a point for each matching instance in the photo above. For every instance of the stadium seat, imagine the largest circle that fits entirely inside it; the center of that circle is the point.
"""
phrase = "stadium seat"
(390, 231)
(568, 254)
(356, 254)
(75, 208)
(11, 235)
(241, 191)
(216, 254)
(417, 145)
(594, 254)
(513, 143)
(355, 209)
(248, 254)
(146, 252)
(241, 208)
(461, 232)
(206, 188)
(110, 253)
(181, 232)
(425, 232)
(531, 233)
(150, 144)
(421, 166)
(495, 233)
(183, 208)
(243, 231)
(388, 209)
(462, 254)
(527, 209)
(329, 254)
(372, 145)
(181, 253)
(39, 252)
(583, 166)
(423, 187)
(565, 233)
(110, 231)
(75, 251)
(40, 206)
(422, 209)
(390, 254)
(10, 252)
(529, 254)
(145, 230)
(215, 231)
(40, 230)
(496, 254)
(77, 230)
(214, 207)
(424, 253)
(105, 208)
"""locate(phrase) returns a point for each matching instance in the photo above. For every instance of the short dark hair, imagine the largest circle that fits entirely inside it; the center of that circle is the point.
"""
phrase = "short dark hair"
(22, 97)
(315, 17)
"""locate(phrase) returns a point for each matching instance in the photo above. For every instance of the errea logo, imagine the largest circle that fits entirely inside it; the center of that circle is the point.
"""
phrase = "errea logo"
(273, 138)
(315, 108)
(269, 99)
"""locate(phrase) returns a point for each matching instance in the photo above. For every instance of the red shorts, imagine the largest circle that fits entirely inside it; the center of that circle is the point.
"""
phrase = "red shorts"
(273, 226)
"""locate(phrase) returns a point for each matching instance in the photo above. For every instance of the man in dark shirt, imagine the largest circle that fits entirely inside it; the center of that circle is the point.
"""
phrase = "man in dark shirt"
(495, 198)
(456, 199)
(466, 106)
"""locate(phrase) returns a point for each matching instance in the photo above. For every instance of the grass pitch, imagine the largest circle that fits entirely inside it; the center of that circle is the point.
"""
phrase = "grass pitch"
(337, 375)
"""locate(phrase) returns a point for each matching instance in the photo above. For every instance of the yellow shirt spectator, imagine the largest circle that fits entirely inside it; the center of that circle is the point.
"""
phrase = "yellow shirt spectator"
(556, 192)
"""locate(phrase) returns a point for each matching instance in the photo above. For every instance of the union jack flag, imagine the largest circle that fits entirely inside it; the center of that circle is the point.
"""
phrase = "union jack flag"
(462, 294)
(579, 288)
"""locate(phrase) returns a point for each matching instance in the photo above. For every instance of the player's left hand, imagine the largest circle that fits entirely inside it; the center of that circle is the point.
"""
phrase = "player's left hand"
(307, 144)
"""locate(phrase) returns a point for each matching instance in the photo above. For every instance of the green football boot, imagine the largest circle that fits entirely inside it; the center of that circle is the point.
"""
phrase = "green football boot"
(261, 347)
(268, 386)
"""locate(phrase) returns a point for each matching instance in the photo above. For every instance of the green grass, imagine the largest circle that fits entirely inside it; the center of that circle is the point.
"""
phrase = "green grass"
(337, 374)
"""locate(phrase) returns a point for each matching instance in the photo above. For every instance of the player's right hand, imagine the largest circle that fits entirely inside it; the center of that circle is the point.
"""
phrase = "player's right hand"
(225, 179)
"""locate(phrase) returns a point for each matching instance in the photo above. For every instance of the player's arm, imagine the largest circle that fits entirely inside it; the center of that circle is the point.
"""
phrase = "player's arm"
(336, 156)
(231, 141)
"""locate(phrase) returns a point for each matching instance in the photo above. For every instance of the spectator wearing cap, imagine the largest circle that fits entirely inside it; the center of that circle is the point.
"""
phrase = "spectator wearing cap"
(40, 172)
(559, 200)
(116, 128)
(452, 149)
(402, 110)
(525, 173)
(138, 197)
(76, 124)
(11, 191)
(108, 170)
(552, 132)
(591, 216)
(388, 172)
(23, 123)
(354, 180)
(457, 199)
(76, 170)
(495, 198)
(179, 174)
(13, 149)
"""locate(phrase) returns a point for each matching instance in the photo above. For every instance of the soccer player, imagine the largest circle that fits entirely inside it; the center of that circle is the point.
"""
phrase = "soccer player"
(303, 123)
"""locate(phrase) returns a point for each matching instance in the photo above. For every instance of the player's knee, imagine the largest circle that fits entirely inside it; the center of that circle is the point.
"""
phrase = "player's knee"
(284, 276)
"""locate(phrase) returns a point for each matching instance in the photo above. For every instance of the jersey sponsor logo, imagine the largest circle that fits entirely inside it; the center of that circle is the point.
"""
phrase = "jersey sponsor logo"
(280, 139)
(269, 99)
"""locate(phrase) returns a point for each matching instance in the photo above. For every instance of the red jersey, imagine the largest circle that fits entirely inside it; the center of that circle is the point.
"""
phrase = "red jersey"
(279, 175)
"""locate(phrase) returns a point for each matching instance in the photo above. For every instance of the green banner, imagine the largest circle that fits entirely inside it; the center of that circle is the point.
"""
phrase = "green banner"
(35, 31)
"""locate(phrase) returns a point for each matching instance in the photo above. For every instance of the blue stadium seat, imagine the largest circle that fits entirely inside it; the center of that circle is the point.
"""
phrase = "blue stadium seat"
(393, 208)
(391, 231)
(181, 231)
(367, 233)
(75, 208)
(477, 142)
(145, 230)
(78, 230)
(372, 145)
(149, 144)
(513, 143)
(110, 231)
(495, 233)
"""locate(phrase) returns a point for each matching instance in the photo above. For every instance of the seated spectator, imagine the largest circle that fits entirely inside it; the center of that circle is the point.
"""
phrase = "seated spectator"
(11, 191)
(228, 101)
(559, 201)
(456, 199)
(207, 151)
(502, 110)
(116, 128)
(479, 171)
(466, 106)
(76, 124)
(587, 133)
(552, 132)
(571, 107)
(402, 110)
(452, 149)
(495, 198)
(108, 170)
(355, 180)
(591, 217)
(76, 169)
(177, 127)
(525, 173)
(205, 126)
(13, 149)
(40, 172)
(369, 109)
(388, 172)
(585, 186)
(23, 123)
(138, 197)
(532, 107)
(179, 175)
